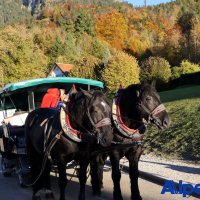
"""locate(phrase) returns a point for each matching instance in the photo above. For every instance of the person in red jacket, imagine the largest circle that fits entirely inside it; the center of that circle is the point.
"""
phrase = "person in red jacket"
(51, 98)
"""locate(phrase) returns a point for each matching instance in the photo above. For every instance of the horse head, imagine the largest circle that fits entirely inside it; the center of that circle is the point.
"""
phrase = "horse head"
(150, 106)
(98, 116)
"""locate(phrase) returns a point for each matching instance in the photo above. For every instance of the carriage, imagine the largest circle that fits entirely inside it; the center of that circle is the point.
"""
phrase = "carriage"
(17, 100)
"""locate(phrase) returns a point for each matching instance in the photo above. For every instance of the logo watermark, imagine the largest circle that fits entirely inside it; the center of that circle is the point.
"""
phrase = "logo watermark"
(180, 188)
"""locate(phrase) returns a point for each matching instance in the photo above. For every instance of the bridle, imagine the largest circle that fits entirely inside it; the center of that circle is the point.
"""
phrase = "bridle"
(135, 134)
(103, 122)
(152, 114)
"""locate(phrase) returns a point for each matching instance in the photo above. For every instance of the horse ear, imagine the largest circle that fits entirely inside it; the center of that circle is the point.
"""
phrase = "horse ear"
(86, 93)
(153, 84)
(105, 91)
(144, 82)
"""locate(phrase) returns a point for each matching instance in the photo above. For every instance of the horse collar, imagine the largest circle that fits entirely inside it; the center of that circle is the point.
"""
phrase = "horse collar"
(65, 124)
(125, 131)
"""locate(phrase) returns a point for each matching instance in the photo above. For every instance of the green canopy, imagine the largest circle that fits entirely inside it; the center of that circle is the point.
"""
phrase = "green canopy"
(50, 81)
(15, 95)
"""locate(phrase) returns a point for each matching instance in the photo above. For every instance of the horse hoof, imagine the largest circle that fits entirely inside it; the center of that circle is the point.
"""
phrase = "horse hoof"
(36, 197)
(136, 198)
(49, 195)
(97, 193)
(117, 198)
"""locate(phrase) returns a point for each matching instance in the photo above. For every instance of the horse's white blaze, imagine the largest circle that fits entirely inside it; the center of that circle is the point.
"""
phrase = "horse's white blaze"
(103, 103)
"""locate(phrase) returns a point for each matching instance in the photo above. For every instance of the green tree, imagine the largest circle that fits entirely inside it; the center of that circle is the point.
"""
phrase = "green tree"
(12, 12)
(57, 49)
(120, 69)
(155, 68)
(70, 45)
(84, 23)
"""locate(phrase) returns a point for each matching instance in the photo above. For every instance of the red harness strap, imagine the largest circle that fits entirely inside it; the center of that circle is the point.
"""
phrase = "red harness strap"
(126, 132)
(121, 122)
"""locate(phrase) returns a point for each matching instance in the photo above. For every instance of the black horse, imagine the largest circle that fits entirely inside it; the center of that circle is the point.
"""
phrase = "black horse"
(89, 114)
(133, 108)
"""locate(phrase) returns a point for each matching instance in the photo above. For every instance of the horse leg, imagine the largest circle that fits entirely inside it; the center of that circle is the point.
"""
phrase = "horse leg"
(116, 175)
(133, 157)
(96, 169)
(83, 178)
(47, 183)
(62, 181)
(36, 165)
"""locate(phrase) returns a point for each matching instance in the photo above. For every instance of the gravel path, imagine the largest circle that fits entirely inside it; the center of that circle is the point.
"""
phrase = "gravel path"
(169, 169)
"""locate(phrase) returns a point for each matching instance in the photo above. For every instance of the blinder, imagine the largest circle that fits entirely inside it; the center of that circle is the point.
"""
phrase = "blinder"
(103, 122)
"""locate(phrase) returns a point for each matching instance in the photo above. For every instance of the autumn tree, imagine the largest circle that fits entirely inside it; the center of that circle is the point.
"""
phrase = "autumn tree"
(155, 68)
(20, 58)
(85, 67)
(113, 28)
(195, 37)
(120, 69)
(186, 22)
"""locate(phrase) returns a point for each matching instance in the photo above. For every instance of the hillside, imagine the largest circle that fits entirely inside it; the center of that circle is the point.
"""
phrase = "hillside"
(101, 38)
(12, 11)
(182, 139)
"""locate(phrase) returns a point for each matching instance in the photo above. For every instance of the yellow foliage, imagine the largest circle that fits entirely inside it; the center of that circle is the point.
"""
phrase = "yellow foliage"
(121, 69)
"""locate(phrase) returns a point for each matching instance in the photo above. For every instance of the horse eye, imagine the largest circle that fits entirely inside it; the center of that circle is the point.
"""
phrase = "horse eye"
(148, 98)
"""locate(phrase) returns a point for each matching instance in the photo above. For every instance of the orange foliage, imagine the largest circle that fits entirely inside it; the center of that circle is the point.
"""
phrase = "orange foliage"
(113, 28)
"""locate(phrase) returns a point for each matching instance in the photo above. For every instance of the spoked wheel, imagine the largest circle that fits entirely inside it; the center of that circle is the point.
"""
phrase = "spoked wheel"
(6, 167)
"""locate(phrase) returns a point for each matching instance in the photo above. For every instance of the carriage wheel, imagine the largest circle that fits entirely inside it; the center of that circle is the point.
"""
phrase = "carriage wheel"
(6, 170)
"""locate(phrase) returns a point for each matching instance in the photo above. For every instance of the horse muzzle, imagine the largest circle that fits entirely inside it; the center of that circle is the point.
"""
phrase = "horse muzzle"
(162, 123)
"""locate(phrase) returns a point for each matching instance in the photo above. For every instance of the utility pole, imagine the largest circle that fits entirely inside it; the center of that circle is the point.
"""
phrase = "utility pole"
(145, 3)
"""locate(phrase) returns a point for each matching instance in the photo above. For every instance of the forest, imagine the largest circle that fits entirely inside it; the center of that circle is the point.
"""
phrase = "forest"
(108, 40)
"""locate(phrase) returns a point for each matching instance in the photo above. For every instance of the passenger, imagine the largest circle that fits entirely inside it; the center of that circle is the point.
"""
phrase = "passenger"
(63, 98)
(51, 98)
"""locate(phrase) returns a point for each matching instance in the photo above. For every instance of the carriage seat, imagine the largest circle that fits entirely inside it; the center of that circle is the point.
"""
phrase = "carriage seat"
(14, 125)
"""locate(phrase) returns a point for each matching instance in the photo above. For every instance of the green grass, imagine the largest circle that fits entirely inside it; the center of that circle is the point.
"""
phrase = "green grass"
(182, 138)
(186, 92)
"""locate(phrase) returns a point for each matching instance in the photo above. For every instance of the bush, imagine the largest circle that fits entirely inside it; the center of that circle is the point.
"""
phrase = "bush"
(186, 67)
(155, 68)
